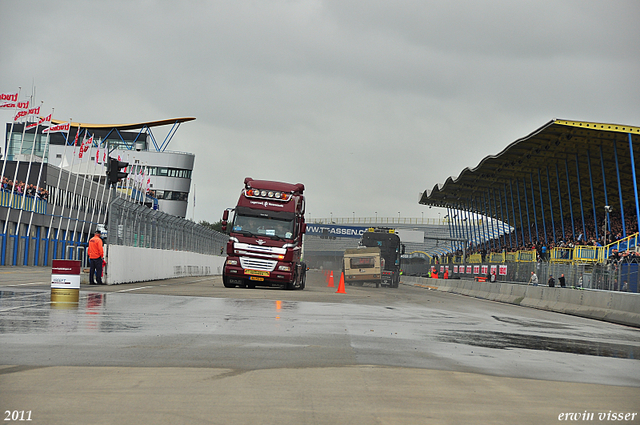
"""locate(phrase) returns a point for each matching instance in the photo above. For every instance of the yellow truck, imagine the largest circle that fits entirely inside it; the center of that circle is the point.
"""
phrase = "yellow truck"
(362, 265)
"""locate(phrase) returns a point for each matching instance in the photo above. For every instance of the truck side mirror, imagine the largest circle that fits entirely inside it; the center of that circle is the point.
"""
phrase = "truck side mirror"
(225, 217)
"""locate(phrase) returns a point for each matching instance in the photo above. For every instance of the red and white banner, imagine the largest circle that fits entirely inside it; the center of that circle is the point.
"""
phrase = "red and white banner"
(40, 122)
(59, 128)
(85, 146)
(33, 111)
(24, 104)
(503, 270)
(8, 97)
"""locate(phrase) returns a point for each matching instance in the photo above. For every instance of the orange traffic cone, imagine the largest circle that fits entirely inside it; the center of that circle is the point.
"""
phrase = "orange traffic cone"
(341, 285)
(331, 285)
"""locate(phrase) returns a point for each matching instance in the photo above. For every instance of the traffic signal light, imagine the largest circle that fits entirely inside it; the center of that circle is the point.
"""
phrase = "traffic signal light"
(113, 170)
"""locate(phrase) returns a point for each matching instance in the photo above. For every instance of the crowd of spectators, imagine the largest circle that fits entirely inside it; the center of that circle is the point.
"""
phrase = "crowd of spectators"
(506, 243)
(20, 188)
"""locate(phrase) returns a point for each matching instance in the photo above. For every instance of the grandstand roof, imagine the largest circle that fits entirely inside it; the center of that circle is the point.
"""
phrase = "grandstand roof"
(560, 149)
(132, 126)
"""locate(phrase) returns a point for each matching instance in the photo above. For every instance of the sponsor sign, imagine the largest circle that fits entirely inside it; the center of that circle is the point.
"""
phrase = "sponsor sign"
(476, 269)
(333, 230)
(65, 274)
(65, 267)
(503, 270)
(455, 269)
(66, 281)
(468, 269)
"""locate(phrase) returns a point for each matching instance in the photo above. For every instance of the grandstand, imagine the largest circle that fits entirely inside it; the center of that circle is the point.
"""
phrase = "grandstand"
(570, 192)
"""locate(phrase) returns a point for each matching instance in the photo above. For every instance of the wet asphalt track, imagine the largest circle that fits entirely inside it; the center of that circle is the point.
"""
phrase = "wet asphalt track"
(398, 343)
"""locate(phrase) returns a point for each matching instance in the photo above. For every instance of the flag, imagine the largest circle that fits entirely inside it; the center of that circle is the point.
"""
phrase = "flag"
(8, 97)
(59, 128)
(23, 104)
(24, 113)
(85, 146)
(40, 122)
(84, 138)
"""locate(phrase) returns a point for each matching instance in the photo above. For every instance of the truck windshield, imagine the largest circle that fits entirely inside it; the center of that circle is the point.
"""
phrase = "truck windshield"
(263, 226)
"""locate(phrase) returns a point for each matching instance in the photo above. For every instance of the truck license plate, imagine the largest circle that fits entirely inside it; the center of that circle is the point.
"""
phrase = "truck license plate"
(256, 278)
(256, 272)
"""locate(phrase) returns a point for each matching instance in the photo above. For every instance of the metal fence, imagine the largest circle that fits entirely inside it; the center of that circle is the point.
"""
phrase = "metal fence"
(133, 224)
(615, 276)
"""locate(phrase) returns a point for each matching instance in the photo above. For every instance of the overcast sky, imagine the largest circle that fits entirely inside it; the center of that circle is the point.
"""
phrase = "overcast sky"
(368, 103)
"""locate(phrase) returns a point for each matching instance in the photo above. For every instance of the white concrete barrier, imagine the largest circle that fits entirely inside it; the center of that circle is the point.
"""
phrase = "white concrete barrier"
(616, 307)
(126, 264)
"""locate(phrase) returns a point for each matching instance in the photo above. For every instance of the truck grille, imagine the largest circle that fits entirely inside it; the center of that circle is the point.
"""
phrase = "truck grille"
(257, 264)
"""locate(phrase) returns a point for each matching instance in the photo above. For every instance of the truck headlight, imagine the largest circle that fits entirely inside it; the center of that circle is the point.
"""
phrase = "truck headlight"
(284, 268)
(232, 262)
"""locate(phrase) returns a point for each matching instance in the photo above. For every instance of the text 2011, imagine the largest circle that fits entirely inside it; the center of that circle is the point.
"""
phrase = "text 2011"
(17, 415)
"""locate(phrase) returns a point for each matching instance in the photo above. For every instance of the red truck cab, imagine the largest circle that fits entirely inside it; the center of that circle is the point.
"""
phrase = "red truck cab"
(265, 236)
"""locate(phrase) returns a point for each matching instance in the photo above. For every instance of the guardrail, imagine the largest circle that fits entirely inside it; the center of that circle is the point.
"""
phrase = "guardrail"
(22, 201)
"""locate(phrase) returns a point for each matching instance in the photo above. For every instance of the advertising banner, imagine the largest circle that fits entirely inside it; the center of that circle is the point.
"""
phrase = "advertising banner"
(331, 231)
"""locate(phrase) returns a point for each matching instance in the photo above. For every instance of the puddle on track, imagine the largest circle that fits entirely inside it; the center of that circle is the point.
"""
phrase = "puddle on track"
(500, 340)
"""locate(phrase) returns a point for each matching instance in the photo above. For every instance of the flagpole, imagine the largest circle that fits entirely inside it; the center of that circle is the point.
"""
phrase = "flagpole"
(93, 169)
(53, 208)
(15, 174)
(84, 181)
(26, 183)
(6, 151)
(36, 195)
(75, 184)
(93, 175)
(106, 182)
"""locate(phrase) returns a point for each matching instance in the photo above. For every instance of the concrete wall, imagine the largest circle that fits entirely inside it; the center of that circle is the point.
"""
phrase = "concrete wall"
(127, 264)
(616, 307)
